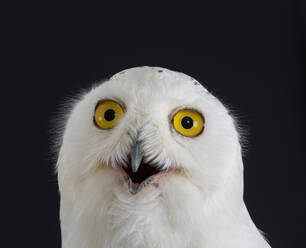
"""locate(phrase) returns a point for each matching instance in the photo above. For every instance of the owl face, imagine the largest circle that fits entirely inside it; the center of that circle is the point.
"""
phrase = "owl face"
(146, 125)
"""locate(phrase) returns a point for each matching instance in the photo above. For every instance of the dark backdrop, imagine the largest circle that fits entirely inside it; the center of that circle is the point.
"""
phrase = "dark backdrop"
(251, 54)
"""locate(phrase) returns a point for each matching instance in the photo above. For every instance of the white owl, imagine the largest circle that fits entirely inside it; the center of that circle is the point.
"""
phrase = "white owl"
(149, 158)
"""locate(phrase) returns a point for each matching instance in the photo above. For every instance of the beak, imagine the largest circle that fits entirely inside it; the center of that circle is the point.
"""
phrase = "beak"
(136, 156)
(138, 173)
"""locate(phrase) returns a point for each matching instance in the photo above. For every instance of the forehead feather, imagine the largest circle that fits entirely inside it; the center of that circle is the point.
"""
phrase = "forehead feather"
(152, 82)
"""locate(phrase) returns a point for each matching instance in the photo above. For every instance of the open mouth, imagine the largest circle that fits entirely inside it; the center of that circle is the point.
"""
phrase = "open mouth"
(145, 171)
(138, 173)
(145, 175)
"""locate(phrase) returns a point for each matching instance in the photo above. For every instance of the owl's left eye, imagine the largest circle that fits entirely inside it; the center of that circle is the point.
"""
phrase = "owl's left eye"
(107, 114)
(188, 122)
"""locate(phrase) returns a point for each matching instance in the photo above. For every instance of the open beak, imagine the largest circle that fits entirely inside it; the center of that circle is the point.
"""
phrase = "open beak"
(138, 173)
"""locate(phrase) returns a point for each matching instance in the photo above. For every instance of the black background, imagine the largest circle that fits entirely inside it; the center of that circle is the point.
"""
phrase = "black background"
(250, 54)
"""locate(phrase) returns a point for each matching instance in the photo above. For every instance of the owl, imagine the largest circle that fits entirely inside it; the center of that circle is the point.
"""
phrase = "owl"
(149, 158)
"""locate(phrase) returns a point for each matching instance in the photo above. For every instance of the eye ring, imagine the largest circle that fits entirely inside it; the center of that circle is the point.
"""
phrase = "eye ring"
(108, 113)
(188, 122)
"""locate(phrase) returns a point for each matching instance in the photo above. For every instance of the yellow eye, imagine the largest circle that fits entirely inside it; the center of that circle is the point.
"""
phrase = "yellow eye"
(188, 122)
(108, 114)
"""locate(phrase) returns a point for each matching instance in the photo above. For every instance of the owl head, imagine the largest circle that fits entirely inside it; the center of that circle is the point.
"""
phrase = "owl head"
(150, 130)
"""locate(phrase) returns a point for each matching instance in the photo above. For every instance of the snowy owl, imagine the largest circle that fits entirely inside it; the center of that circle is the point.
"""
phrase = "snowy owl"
(150, 158)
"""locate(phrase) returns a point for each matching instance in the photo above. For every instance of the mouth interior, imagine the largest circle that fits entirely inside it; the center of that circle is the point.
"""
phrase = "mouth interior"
(144, 171)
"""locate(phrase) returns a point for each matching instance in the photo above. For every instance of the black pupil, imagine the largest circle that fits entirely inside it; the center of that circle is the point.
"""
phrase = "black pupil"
(109, 115)
(187, 122)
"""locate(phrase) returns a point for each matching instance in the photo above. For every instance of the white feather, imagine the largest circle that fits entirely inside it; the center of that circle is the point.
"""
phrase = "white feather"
(200, 207)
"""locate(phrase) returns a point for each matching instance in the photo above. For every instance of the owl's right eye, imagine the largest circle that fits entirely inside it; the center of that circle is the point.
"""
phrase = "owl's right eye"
(107, 114)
